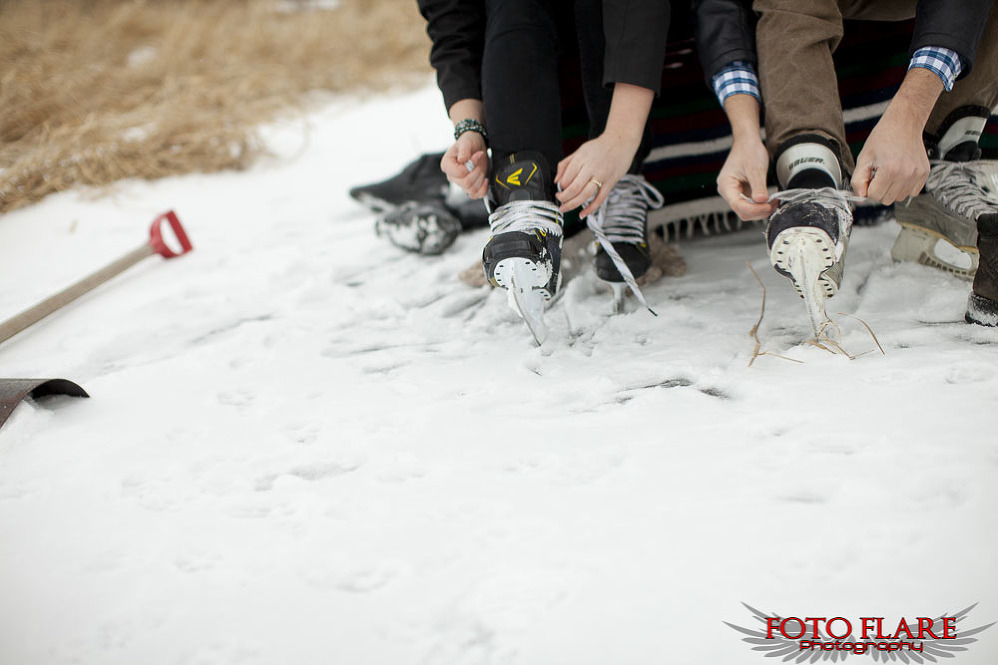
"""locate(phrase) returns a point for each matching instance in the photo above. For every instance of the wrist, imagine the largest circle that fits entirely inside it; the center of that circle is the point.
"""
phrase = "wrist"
(623, 136)
(915, 99)
(743, 116)
(470, 125)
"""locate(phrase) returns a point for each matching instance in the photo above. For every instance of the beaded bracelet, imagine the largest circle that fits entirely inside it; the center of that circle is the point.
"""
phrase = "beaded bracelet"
(470, 125)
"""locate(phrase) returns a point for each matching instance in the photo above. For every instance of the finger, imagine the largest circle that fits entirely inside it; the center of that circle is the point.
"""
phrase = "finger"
(454, 171)
(757, 183)
(730, 190)
(747, 210)
(581, 197)
(476, 180)
(562, 167)
(862, 178)
(451, 165)
(595, 204)
(903, 188)
(569, 180)
(918, 181)
(581, 185)
(481, 160)
(878, 187)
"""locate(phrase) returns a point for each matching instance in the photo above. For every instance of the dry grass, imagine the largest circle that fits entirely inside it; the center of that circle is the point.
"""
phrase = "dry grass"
(92, 91)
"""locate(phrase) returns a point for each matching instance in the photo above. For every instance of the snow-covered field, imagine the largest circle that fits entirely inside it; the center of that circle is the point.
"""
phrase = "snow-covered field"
(307, 447)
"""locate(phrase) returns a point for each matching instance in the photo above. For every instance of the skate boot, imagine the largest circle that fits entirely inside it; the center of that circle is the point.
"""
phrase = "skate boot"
(621, 227)
(809, 233)
(808, 236)
(425, 228)
(523, 255)
(939, 226)
(420, 180)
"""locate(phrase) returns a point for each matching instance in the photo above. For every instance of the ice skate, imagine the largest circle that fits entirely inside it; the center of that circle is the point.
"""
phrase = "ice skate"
(425, 228)
(523, 255)
(807, 236)
(939, 226)
(621, 229)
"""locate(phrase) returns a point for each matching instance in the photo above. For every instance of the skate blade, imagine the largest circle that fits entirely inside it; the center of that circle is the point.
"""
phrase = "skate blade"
(927, 248)
(806, 253)
(619, 291)
(523, 281)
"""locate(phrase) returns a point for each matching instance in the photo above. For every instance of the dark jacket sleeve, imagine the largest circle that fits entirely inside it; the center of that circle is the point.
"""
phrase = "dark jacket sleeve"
(957, 26)
(635, 33)
(725, 33)
(457, 30)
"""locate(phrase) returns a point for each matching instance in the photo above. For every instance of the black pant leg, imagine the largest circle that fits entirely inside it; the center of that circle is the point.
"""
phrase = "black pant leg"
(520, 78)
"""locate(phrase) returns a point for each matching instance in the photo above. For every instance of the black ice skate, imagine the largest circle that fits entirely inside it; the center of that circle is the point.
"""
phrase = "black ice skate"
(621, 227)
(807, 236)
(425, 228)
(420, 180)
(523, 255)
(939, 226)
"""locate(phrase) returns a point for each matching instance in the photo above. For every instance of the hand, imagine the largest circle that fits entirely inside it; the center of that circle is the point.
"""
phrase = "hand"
(893, 164)
(600, 159)
(468, 149)
(744, 174)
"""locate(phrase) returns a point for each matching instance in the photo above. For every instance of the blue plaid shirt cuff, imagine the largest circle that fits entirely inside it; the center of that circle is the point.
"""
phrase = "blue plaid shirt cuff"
(942, 62)
(738, 78)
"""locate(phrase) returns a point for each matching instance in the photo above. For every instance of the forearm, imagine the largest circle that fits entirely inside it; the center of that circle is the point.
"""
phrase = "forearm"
(915, 99)
(457, 31)
(629, 110)
(743, 115)
(467, 108)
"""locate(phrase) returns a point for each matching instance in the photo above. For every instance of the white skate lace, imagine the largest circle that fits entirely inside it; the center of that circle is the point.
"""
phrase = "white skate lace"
(623, 218)
(527, 216)
(959, 186)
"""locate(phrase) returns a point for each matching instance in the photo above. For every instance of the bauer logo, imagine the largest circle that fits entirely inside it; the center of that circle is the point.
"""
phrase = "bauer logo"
(914, 639)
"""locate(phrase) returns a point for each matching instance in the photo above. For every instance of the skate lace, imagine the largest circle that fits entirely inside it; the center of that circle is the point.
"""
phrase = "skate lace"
(959, 186)
(623, 218)
(526, 217)
(829, 197)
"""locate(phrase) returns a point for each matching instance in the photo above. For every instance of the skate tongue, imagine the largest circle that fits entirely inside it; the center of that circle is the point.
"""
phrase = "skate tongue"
(968, 151)
(527, 301)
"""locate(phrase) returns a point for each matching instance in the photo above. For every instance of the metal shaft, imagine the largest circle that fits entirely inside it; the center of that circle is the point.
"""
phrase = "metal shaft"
(35, 314)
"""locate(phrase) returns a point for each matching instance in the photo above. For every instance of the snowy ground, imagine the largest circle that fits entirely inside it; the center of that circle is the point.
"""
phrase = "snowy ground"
(305, 446)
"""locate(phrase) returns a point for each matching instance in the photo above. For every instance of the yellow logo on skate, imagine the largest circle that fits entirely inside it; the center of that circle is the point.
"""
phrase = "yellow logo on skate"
(514, 178)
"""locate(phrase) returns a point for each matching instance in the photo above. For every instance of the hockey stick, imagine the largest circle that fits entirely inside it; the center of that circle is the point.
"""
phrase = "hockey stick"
(156, 245)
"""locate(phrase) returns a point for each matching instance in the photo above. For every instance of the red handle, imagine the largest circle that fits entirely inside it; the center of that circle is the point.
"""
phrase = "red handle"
(156, 236)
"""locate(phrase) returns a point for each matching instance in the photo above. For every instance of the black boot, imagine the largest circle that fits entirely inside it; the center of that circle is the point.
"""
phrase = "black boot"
(982, 307)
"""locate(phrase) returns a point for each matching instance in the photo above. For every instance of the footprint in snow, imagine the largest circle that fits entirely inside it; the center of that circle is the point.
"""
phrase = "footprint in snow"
(310, 472)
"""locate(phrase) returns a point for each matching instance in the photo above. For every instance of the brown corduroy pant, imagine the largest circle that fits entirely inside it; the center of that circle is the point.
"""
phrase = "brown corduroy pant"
(795, 41)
